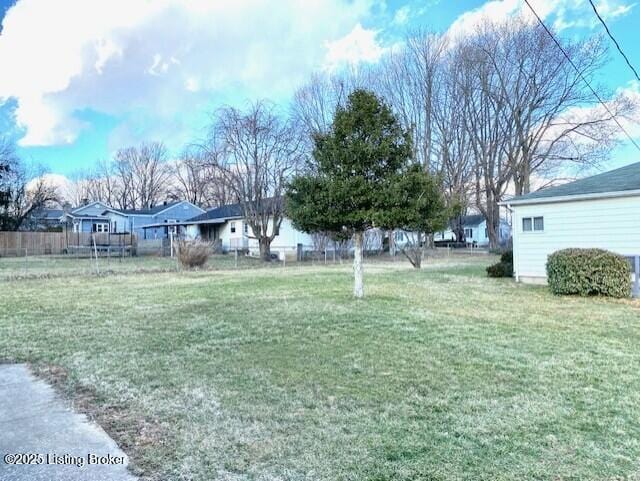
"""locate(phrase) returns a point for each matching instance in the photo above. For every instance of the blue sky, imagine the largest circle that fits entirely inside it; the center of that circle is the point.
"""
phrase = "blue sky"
(82, 78)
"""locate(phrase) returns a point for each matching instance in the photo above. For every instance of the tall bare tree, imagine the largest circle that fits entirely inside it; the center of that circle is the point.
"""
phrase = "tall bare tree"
(487, 125)
(21, 192)
(142, 175)
(192, 175)
(554, 120)
(409, 79)
(315, 103)
(197, 178)
(256, 152)
(452, 149)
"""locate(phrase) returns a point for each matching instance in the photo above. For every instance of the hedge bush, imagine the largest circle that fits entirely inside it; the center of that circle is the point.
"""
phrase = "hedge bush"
(589, 272)
(504, 268)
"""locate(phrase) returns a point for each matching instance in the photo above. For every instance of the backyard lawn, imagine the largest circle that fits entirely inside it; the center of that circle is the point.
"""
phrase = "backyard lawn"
(265, 374)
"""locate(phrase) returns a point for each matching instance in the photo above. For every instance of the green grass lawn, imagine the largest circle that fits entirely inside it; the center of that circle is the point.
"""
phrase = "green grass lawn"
(279, 374)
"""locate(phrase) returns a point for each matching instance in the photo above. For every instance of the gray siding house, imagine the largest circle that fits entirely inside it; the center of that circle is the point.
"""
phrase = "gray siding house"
(150, 223)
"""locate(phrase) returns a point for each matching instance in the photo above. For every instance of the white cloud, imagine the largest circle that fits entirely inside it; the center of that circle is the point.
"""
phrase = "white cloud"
(402, 15)
(580, 14)
(164, 59)
(565, 13)
(359, 45)
(580, 114)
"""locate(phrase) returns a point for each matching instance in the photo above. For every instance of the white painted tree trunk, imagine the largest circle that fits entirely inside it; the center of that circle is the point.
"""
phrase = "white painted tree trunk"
(358, 274)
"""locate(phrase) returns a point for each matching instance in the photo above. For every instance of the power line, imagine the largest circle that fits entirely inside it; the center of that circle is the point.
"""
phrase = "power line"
(626, 59)
(582, 76)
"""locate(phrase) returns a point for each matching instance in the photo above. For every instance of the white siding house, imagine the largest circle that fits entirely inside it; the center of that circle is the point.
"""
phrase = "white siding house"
(228, 226)
(602, 211)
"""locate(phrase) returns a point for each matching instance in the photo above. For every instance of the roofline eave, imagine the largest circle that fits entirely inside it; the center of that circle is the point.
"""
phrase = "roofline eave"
(571, 198)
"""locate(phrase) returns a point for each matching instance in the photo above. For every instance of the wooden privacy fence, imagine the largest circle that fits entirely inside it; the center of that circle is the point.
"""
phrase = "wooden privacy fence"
(56, 243)
(31, 243)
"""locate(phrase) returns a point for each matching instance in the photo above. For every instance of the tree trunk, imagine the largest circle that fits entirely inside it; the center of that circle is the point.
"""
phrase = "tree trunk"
(493, 224)
(265, 248)
(414, 252)
(358, 283)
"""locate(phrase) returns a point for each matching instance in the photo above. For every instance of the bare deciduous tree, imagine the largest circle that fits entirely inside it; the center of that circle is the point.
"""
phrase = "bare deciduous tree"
(554, 122)
(20, 193)
(192, 175)
(488, 126)
(256, 152)
(197, 178)
(142, 175)
(409, 80)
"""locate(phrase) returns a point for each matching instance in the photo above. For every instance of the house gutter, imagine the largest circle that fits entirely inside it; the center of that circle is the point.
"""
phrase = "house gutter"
(571, 198)
(221, 220)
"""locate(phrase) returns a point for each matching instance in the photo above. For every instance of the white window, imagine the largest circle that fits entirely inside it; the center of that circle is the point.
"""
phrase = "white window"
(468, 233)
(101, 227)
(233, 227)
(530, 224)
(246, 228)
(538, 223)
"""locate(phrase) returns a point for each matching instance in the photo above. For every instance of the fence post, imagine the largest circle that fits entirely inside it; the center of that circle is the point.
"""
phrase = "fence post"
(95, 251)
(236, 258)
(26, 256)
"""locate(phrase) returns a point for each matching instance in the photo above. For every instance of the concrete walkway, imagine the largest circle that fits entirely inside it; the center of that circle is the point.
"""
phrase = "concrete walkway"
(52, 441)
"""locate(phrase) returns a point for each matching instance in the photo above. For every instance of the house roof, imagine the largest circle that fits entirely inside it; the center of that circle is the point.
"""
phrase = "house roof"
(230, 211)
(621, 181)
(475, 219)
(48, 214)
(85, 216)
(150, 210)
(80, 207)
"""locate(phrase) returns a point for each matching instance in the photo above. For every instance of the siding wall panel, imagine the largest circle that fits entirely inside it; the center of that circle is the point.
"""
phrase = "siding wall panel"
(612, 224)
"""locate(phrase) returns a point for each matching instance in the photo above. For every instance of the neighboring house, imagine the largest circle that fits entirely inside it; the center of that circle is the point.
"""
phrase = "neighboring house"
(602, 211)
(43, 219)
(152, 223)
(155, 222)
(228, 226)
(86, 218)
(475, 231)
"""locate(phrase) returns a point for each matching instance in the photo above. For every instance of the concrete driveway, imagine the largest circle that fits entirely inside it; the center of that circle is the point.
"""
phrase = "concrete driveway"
(42, 439)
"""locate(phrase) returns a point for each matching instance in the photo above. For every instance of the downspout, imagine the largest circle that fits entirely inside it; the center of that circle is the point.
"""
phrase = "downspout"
(516, 274)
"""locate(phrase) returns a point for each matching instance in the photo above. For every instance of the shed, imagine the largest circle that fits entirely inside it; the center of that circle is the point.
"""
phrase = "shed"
(602, 211)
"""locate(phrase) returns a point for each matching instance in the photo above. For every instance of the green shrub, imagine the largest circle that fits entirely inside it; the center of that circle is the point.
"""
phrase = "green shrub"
(504, 268)
(589, 272)
(507, 257)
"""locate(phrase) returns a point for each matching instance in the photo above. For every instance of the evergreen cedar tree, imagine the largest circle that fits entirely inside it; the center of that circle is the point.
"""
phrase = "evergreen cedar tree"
(362, 176)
